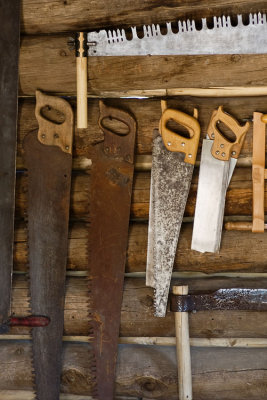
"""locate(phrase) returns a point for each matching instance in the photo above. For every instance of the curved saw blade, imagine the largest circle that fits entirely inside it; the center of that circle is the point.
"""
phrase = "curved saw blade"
(48, 160)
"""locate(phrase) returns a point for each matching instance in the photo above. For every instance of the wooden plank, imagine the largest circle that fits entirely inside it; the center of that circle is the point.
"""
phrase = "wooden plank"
(59, 16)
(148, 371)
(52, 68)
(252, 246)
(137, 310)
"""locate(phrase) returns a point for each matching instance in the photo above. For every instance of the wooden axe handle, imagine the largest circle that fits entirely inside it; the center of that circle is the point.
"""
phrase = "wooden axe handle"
(183, 349)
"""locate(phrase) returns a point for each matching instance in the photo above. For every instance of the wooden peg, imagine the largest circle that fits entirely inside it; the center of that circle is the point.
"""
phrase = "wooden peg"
(183, 349)
(81, 78)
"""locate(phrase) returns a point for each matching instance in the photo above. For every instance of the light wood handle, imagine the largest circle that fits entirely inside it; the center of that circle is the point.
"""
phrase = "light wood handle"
(183, 349)
(81, 78)
(238, 226)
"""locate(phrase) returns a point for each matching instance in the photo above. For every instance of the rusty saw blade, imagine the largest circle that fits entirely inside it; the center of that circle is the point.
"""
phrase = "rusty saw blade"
(9, 48)
(48, 157)
(173, 162)
(110, 190)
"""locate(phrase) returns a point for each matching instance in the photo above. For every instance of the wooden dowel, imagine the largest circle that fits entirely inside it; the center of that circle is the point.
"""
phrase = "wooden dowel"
(238, 226)
(81, 79)
(183, 349)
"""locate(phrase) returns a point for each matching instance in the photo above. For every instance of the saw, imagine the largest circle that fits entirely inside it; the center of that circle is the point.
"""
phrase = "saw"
(218, 159)
(110, 200)
(184, 39)
(173, 160)
(48, 159)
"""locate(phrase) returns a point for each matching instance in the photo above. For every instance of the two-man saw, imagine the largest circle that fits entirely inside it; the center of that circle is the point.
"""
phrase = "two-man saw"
(48, 158)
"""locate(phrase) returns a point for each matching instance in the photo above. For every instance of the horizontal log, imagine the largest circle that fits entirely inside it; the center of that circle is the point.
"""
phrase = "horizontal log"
(251, 246)
(151, 372)
(59, 16)
(137, 317)
(52, 65)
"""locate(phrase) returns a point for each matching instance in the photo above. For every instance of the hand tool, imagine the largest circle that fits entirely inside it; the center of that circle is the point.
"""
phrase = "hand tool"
(259, 175)
(111, 179)
(81, 79)
(48, 159)
(173, 160)
(218, 160)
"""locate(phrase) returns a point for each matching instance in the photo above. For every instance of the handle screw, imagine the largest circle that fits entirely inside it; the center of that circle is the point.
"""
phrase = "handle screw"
(212, 135)
(222, 145)
(43, 135)
(67, 147)
(183, 144)
(233, 153)
(217, 152)
(223, 154)
(189, 155)
(169, 143)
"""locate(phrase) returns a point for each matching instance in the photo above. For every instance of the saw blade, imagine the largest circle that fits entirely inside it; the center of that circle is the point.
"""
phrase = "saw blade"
(212, 186)
(110, 191)
(171, 178)
(49, 180)
(223, 38)
(9, 48)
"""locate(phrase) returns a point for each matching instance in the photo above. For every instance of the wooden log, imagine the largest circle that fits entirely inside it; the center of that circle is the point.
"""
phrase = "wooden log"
(251, 245)
(58, 16)
(52, 65)
(137, 317)
(150, 374)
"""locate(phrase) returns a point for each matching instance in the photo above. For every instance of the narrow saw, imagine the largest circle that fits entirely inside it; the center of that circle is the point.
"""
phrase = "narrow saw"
(218, 159)
(48, 159)
(173, 160)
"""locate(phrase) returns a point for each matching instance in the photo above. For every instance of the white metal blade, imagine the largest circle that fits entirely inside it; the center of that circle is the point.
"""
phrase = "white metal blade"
(233, 162)
(223, 38)
(212, 187)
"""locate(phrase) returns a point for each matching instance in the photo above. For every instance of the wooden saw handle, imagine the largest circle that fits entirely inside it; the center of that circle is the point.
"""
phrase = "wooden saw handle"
(183, 349)
(81, 77)
(222, 148)
(175, 142)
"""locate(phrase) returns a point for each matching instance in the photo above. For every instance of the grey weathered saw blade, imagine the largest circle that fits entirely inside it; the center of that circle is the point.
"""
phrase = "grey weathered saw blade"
(212, 186)
(171, 178)
(223, 38)
(9, 49)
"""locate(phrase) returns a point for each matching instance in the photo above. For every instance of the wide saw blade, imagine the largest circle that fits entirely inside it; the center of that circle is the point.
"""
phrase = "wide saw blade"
(111, 187)
(9, 49)
(212, 186)
(171, 178)
(223, 38)
(48, 161)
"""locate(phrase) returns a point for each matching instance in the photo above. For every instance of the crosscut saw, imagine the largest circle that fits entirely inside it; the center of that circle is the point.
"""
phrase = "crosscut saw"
(222, 38)
(173, 160)
(48, 158)
(110, 200)
(218, 159)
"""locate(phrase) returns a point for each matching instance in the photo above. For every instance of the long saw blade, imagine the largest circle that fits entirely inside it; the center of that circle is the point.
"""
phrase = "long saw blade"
(9, 48)
(48, 157)
(173, 161)
(110, 190)
(223, 38)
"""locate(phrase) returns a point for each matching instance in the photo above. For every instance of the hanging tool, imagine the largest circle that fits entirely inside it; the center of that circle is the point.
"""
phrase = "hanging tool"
(173, 160)
(110, 200)
(81, 79)
(48, 158)
(218, 159)
(259, 175)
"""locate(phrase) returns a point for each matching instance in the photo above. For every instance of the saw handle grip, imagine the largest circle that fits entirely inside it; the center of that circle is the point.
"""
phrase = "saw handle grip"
(177, 143)
(112, 113)
(31, 321)
(223, 148)
(81, 78)
(183, 349)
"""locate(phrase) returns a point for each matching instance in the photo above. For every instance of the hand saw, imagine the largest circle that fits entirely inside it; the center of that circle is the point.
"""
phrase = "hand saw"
(110, 190)
(223, 38)
(218, 160)
(48, 158)
(173, 160)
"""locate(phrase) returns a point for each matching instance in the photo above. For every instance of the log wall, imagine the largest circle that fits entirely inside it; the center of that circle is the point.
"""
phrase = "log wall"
(48, 63)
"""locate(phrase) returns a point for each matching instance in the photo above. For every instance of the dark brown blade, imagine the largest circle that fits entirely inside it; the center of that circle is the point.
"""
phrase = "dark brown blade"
(49, 176)
(9, 50)
(111, 186)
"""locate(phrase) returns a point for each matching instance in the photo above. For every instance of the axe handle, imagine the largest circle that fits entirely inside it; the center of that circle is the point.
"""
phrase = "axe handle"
(81, 68)
(183, 349)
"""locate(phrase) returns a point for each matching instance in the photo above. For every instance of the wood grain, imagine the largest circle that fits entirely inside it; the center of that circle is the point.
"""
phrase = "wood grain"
(58, 16)
(48, 64)
(137, 317)
(151, 374)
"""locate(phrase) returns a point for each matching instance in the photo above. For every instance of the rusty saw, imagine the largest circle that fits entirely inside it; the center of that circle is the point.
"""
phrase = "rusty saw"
(48, 158)
(110, 200)
(218, 159)
(173, 160)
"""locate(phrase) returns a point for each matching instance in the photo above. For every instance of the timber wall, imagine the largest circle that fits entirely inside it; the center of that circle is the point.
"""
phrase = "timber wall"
(144, 371)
